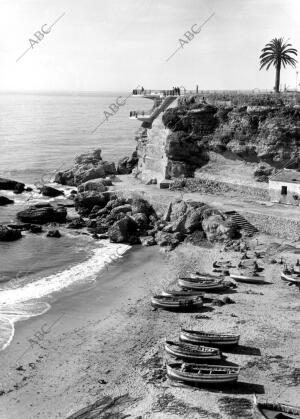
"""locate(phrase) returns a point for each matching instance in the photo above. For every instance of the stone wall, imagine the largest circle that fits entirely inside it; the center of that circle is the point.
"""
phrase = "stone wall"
(276, 226)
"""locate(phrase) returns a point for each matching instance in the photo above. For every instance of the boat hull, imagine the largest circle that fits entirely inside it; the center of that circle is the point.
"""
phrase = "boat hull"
(176, 351)
(201, 286)
(208, 340)
(191, 293)
(180, 304)
(272, 410)
(288, 278)
(204, 378)
(248, 279)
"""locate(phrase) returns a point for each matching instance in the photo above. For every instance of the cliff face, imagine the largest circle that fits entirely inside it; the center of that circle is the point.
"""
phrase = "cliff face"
(184, 136)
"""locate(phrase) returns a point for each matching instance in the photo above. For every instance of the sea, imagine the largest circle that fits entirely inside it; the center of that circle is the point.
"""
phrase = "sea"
(41, 133)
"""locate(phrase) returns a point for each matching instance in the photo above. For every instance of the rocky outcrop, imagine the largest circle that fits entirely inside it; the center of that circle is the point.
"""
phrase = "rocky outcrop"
(127, 164)
(99, 185)
(9, 234)
(42, 214)
(263, 131)
(12, 185)
(85, 201)
(5, 201)
(123, 230)
(87, 167)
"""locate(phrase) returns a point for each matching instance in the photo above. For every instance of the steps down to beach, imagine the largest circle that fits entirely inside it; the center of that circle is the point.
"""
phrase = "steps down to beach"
(238, 220)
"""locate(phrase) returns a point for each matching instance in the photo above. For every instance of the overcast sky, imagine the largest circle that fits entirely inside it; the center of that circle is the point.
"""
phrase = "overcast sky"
(115, 45)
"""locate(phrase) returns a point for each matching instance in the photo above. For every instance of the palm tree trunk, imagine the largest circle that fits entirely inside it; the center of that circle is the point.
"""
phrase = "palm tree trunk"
(277, 78)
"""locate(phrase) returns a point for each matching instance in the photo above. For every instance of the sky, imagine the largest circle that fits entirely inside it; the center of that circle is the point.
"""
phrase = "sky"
(117, 45)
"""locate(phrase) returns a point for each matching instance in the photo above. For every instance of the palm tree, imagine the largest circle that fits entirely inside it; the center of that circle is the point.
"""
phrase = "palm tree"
(278, 53)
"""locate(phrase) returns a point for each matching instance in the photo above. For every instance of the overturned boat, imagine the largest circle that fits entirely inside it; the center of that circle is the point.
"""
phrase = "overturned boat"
(192, 352)
(203, 284)
(275, 411)
(176, 303)
(251, 279)
(202, 373)
(198, 337)
(182, 293)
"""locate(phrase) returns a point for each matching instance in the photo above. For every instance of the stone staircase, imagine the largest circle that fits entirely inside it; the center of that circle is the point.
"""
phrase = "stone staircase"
(238, 220)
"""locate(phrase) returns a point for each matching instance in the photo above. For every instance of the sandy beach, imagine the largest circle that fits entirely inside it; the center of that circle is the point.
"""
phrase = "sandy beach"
(106, 341)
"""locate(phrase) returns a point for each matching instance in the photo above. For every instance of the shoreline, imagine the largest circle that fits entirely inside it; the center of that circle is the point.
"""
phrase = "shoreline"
(110, 341)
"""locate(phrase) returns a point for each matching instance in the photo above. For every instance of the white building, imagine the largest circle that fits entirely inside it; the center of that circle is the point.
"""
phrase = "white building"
(284, 187)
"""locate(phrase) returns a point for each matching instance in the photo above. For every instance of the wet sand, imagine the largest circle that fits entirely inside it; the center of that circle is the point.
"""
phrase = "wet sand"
(107, 341)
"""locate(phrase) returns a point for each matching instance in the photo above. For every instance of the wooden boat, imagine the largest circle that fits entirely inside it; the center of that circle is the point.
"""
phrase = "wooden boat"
(201, 284)
(182, 293)
(208, 338)
(249, 279)
(191, 352)
(176, 303)
(202, 275)
(295, 279)
(275, 411)
(202, 373)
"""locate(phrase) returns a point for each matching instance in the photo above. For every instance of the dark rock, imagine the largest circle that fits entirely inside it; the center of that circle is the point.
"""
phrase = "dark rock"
(94, 157)
(127, 164)
(5, 201)
(132, 240)
(93, 185)
(76, 223)
(49, 191)
(9, 234)
(217, 302)
(65, 178)
(122, 208)
(141, 220)
(8, 184)
(90, 199)
(38, 214)
(166, 240)
(197, 238)
(35, 229)
(228, 300)
(19, 188)
(121, 230)
(28, 189)
(218, 229)
(140, 205)
(53, 233)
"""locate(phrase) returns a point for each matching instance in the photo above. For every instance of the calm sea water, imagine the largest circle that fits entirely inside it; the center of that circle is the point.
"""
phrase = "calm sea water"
(38, 135)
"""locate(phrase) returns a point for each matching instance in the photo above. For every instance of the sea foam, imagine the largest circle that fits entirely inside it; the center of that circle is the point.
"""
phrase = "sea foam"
(23, 302)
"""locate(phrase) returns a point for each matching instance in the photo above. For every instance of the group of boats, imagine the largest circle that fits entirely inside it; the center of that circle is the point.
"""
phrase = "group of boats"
(197, 358)
(191, 291)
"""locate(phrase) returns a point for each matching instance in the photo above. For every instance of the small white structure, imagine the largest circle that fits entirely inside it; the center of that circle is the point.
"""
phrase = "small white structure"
(284, 187)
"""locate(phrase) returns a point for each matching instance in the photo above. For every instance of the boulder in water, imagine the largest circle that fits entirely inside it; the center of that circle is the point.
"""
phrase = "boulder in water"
(49, 191)
(53, 233)
(38, 214)
(9, 234)
(5, 201)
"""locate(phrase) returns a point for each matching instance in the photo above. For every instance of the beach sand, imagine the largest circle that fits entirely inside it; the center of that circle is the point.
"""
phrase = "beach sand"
(106, 340)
